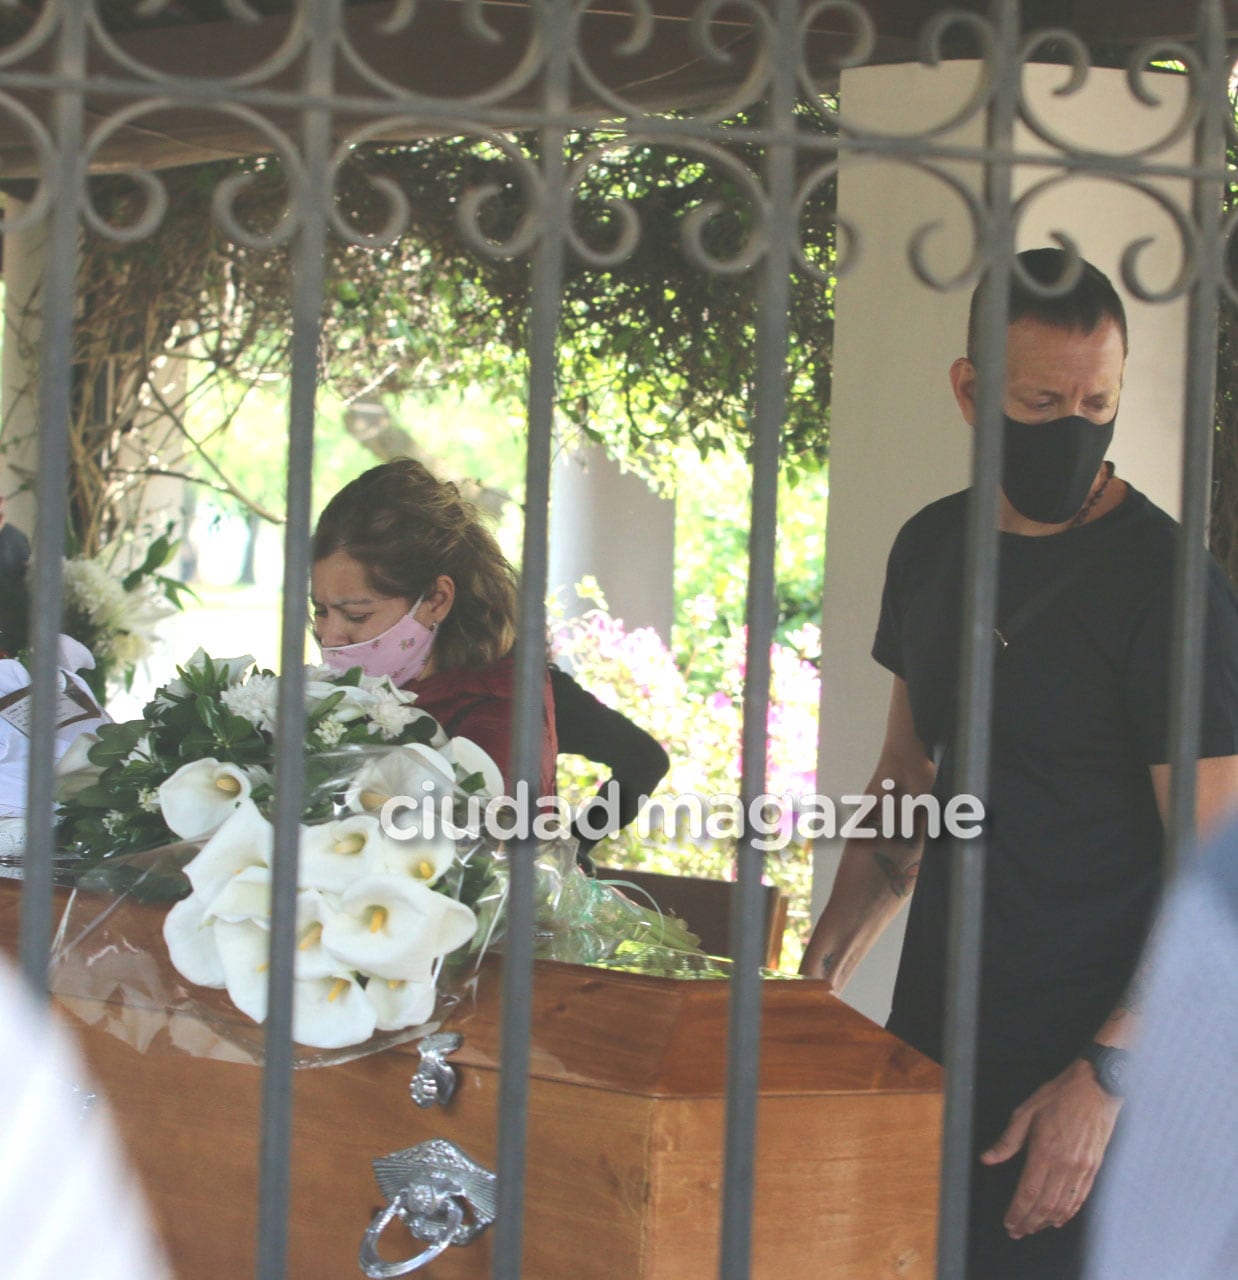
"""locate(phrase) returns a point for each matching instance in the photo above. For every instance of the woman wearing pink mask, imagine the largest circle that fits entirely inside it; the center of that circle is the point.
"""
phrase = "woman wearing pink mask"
(407, 582)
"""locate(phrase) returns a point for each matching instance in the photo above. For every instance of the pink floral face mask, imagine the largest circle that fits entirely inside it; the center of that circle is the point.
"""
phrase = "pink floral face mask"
(401, 652)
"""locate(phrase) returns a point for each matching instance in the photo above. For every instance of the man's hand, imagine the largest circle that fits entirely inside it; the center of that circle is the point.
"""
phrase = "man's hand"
(1066, 1125)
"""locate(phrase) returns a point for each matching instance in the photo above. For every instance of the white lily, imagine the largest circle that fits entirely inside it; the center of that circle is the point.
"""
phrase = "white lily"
(400, 1004)
(355, 703)
(197, 798)
(312, 958)
(327, 1012)
(246, 839)
(334, 854)
(244, 950)
(423, 858)
(246, 896)
(191, 943)
(469, 758)
(412, 771)
(394, 927)
(232, 668)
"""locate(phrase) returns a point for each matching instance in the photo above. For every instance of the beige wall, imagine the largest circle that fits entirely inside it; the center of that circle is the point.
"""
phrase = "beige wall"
(897, 440)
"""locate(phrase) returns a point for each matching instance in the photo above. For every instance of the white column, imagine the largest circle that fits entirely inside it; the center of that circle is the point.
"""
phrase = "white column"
(896, 438)
(607, 523)
(23, 272)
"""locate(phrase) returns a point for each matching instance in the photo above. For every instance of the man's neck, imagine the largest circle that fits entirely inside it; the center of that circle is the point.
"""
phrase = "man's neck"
(1011, 521)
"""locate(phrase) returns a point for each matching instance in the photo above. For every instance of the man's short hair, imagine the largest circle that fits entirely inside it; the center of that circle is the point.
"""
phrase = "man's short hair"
(1092, 299)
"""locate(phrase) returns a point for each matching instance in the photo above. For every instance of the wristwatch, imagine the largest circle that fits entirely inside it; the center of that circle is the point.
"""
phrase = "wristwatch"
(1110, 1065)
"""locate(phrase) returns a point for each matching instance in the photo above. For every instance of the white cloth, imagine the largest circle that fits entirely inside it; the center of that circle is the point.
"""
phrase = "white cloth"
(15, 742)
(68, 1205)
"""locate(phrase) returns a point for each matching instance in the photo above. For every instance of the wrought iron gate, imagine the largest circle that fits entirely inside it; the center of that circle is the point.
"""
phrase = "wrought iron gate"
(74, 86)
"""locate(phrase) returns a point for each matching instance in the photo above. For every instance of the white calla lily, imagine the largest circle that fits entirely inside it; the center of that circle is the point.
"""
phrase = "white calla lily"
(246, 896)
(200, 795)
(191, 943)
(246, 839)
(312, 959)
(334, 854)
(412, 771)
(400, 1004)
(469, 758)
(395, 927)
(422, 858)
(244, 951)
(329, 1013)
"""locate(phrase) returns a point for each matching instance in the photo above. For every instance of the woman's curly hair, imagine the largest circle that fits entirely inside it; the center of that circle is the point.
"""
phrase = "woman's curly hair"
(406, 528)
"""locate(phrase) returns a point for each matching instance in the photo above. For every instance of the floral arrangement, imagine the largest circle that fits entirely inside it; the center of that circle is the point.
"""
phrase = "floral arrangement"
(113, 615)
(177, 805)
(690, 698)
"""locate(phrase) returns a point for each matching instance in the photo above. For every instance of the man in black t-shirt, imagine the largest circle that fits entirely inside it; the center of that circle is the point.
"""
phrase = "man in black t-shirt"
(1079, 774)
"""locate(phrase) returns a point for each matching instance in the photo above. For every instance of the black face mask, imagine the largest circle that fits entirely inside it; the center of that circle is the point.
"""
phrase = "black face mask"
(1049, 467)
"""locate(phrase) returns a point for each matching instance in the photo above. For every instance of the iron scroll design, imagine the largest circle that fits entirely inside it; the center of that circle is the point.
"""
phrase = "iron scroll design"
(259, 101)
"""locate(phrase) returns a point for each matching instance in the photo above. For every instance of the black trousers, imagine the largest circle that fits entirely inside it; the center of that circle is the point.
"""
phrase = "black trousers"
(1056, 1253)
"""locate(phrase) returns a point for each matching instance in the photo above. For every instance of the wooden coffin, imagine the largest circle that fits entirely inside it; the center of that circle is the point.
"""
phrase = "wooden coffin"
(625, 1137)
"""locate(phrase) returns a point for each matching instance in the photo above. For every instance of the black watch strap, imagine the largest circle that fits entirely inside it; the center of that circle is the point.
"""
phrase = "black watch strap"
(1110, 1065)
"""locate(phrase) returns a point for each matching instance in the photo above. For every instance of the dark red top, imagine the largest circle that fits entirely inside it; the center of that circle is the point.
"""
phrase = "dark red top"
(477, 703)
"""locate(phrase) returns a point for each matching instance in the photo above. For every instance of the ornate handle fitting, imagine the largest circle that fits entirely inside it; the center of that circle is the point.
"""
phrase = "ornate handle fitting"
(442, 1196)
(435, 1079)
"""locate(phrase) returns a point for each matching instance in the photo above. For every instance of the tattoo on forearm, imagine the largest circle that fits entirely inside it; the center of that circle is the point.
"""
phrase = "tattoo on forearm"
(901, 876)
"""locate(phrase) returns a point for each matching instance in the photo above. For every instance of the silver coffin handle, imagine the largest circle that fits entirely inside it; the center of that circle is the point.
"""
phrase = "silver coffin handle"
(439, 1193)
(373, 1266)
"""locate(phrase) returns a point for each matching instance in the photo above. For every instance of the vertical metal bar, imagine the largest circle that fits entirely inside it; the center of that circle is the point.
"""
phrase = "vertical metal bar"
(54, 408)
(974, 712)
(313, 200)
(548, 260)
(1190, 596)
(747, 917)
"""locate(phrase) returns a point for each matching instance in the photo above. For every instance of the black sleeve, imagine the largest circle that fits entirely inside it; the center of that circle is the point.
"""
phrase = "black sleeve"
(1148, 675)
(888, 642)
(587, 727)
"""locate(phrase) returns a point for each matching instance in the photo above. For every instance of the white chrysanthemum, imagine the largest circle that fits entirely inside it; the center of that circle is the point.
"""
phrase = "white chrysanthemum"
(89, 587)
(255, 700)
(392, 715)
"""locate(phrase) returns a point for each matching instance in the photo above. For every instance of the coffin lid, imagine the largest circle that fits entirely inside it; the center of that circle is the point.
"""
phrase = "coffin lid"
(667, 1037)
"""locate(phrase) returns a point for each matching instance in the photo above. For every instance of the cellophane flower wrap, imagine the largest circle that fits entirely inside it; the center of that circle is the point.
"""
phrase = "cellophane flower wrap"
(168, 820)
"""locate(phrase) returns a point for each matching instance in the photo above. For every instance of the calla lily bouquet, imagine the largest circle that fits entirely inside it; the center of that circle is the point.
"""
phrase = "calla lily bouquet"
(376, 913)
(176, 807)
